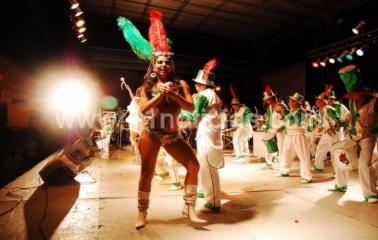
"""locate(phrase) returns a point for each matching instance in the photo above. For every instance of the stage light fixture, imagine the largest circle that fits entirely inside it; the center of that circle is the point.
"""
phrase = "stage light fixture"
(332, 59)
(78, 12)
(315, 64)
(323, 62)
(350, 54)
(80, 35)
(359, 27)
(82, 29)
(74, 4)
(342, 55)
(80, 23)
(362, 50)
(83, 40)
(217, 88)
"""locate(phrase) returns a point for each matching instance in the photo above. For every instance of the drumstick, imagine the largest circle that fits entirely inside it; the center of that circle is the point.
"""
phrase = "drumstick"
(257, 112)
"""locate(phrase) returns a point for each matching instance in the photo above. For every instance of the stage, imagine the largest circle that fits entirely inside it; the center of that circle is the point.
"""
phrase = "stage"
(256, 204)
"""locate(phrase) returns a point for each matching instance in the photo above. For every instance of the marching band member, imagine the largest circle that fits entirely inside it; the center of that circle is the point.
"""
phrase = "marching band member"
(363, 119)
(166, 167)
(243, 132)
(274, 122)
(327, 127)
(209, 138)
(295, 143)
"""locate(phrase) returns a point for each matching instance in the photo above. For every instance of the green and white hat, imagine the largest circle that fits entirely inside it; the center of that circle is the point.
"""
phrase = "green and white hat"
(205, 76)
(332, 95)
(351, 78)
(297, 97)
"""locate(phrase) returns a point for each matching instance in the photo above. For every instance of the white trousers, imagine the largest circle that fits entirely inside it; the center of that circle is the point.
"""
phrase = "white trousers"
(240, 142)
(322, 148)
(366, 168)
(296, 145)
(280, 141)
(166, 164)
(209, 181)
(105, 146)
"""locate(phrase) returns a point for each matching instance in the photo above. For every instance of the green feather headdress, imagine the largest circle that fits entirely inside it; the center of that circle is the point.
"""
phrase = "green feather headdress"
(140, 46)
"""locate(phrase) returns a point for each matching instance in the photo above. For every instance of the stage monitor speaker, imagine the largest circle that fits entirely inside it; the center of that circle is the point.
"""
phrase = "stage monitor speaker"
(59, 170)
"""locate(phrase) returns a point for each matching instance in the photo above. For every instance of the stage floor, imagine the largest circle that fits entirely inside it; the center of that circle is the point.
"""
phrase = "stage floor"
(256, 204)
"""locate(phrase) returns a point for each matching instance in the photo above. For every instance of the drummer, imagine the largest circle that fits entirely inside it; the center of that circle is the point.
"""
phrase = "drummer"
(295, 143)
(363, 119)
(242, 122)
(273, 123)
(328, 129)
(209, 138)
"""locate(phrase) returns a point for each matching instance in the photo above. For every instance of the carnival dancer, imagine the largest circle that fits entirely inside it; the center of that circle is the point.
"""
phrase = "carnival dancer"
(134, 119)
(209, 137)
(162, 97)
(363, 119)
(242, 122)
(274, 123)
(295, 143)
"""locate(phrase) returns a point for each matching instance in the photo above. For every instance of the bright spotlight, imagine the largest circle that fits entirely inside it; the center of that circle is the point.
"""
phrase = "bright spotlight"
(362, 50)
(323, 63)
(332, 59)
(359, 27)
(80, 23)
(82, 29)
(70, 97)
(217, 88)
(315, 64)
(78, 12)
(74, 6)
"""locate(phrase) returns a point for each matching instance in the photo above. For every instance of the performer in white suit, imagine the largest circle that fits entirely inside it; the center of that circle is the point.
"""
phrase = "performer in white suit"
(209, 137)
(242, 123)
(274, 122)
(363, 118)
(295, 143)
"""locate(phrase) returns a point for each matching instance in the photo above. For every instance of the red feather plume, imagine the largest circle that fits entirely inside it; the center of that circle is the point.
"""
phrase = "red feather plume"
(268, 89)
(210, 65)
(328, 89)
(156, 33)
(232, 91)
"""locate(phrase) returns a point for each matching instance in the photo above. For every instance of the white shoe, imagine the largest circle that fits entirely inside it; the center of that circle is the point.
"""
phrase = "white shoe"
(175, 187)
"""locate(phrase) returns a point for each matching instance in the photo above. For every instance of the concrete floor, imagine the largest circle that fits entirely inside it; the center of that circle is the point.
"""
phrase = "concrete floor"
(101, 204)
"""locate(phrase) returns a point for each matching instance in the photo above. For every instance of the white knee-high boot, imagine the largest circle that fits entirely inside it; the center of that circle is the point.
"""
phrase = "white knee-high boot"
(143, 202)
(189, 209)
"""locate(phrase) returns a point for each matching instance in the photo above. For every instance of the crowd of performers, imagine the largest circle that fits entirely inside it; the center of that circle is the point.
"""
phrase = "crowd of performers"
(291, 129)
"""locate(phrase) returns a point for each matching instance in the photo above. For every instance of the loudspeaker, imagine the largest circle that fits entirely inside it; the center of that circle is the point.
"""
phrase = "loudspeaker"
(67, 164)
(60, 170)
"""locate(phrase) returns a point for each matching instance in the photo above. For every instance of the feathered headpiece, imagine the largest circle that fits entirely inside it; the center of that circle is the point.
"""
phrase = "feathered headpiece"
(157, 34)
(326, 92)
(205, 76)
(268, 93)
(140, 46)
(232, 92)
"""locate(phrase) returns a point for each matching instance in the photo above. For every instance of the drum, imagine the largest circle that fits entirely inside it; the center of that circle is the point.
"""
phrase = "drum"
(270, 143)
(345, 155)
